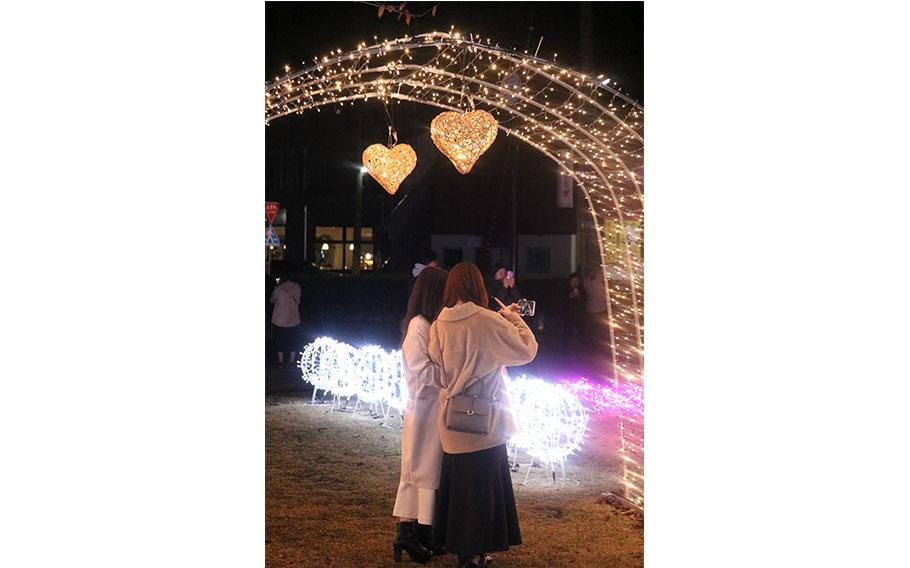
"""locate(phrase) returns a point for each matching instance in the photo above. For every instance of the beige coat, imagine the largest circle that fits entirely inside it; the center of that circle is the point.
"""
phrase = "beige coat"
(421, 452)
(472, 345)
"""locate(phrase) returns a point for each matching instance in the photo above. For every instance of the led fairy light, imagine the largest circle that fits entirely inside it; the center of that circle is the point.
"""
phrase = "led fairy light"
(614, 398)
(556, 110)
(372, 364)
(551, 421)
(393, 376)
(318, 364)
(346, 379)
(589, 161)
(463, 137)
(370, 373)
(389, 166)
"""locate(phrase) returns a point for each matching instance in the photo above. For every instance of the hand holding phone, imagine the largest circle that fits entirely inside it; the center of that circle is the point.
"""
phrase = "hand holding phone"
(522, 308)
(511, 308)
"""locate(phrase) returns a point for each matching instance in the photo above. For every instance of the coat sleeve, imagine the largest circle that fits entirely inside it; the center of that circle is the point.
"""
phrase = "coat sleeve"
(515, 342)
(434, 350)
(274, 297)
(417, 360)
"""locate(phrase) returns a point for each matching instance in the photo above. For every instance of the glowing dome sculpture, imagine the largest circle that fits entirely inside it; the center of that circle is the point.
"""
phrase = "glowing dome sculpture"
(551, 421)
(318, 364)
(394, 380)
(372, 364)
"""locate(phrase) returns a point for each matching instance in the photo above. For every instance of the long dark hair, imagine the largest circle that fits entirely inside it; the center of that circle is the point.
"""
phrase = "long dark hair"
(426, 297)
(465, 283)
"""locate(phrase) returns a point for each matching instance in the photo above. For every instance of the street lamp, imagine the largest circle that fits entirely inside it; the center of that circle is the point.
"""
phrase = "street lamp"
(358, 206)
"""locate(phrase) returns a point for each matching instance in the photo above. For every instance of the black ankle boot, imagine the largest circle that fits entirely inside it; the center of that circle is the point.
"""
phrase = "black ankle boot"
(425, 537)
(472, 561)
(406, 540)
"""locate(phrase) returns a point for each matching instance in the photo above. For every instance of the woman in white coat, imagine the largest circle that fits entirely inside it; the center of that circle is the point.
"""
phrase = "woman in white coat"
(421, 450)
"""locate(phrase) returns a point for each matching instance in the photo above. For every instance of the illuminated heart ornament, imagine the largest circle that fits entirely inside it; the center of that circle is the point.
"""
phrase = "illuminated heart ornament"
(463, 137)
(389, 166)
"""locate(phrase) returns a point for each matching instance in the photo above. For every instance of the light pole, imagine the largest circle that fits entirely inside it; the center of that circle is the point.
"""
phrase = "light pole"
(358, 206)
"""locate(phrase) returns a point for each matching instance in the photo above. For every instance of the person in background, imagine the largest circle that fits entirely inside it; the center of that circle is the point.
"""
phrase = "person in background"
(429, 258)
(475, 509)
(574, 316)
(421, 450)
(285, 316)
(502, 287)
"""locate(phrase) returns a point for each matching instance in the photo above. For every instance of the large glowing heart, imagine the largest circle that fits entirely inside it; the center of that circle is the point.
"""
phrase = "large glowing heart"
(463, 137)
(389, 167)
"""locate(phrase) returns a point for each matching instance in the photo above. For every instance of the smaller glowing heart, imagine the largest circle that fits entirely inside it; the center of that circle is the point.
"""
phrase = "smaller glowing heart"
(389, 166)
(463, 137)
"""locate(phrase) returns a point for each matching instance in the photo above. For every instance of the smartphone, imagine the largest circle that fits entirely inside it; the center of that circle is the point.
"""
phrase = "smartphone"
(527, 307)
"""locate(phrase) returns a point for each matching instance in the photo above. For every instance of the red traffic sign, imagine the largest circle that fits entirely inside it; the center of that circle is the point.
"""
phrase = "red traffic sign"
(271, 209)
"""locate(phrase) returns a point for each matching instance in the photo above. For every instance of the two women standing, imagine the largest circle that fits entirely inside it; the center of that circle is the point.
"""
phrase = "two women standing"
(463, 361)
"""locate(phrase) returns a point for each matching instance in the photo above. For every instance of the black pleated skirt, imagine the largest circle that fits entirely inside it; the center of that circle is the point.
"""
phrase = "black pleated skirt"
(475, 506)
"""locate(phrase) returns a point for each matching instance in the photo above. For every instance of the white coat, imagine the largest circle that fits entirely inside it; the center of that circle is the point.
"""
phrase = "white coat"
(421, 450)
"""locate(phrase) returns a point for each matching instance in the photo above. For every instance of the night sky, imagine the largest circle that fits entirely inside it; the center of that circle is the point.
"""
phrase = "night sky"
(298, 31)
(312, 159)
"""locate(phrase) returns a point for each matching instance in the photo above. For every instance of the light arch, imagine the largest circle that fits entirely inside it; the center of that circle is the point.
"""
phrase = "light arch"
(593, 132)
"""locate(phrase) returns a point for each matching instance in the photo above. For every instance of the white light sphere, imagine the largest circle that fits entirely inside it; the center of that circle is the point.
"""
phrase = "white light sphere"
(551, 421)
(372, 363)
(345, 373)
(397, 388)
(317, 363)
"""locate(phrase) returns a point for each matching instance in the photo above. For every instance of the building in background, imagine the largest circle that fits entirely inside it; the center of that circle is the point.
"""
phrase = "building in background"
(539, 256)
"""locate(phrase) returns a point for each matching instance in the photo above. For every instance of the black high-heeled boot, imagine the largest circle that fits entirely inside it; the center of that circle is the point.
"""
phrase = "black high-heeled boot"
(406, 540)
(425, 536)
(472, 561)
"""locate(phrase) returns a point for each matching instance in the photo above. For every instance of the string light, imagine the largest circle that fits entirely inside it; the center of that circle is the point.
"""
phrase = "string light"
(551, 421)
(625, 398)
(373, 367)
(554, 109)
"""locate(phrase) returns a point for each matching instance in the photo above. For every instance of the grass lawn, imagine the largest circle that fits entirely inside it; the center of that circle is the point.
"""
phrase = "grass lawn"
(331, 479)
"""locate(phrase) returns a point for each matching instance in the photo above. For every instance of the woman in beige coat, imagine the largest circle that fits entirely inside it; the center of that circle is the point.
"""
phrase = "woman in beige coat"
(475, 507)
(421, 451)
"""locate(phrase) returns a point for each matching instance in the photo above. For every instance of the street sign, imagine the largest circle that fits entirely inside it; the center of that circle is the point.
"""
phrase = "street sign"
(271, 237)
(271, 209)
